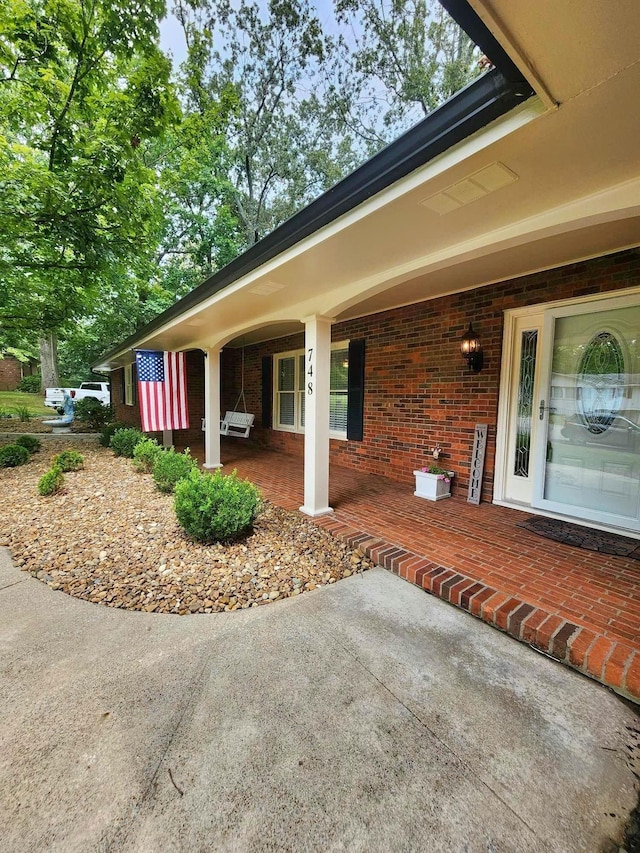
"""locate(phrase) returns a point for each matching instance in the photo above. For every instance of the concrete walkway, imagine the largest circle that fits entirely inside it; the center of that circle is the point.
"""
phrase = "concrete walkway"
(361, 717)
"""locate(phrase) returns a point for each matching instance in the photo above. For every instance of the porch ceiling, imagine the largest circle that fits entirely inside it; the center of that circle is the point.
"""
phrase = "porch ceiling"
(576, 193)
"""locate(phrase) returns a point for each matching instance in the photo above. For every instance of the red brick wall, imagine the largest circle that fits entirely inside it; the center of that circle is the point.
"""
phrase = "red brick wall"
(418, 390)
(10, 373)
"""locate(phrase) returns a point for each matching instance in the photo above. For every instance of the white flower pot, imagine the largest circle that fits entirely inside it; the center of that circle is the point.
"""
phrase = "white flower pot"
(432, 486)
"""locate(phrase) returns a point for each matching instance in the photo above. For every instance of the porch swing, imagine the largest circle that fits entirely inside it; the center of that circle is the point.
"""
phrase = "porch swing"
(237, 423)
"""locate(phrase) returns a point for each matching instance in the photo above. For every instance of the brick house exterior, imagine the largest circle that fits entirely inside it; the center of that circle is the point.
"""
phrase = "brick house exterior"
(418, 390)
(12, 371)
(513, 206)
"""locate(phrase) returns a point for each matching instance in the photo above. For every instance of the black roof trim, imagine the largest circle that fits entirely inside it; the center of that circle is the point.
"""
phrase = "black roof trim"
(475, 106)
(476, 29)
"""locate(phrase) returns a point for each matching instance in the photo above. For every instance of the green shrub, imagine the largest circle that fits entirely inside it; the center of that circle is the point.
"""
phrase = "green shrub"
(68, 460)
(30, 384)
(216, 507)
(123, 441)
(12, 455)
(23, 413)
(145, 454)
(171, 467)
(92, 413)
(108, 430)
(32, 443)
(51, 482)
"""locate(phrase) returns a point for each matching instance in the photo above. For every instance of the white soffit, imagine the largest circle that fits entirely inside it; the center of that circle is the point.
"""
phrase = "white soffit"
(487, 180)
(266, 288)
(487, 136)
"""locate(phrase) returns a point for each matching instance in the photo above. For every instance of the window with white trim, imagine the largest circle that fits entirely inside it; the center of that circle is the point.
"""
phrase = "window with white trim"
(289, 390)
(129, 391)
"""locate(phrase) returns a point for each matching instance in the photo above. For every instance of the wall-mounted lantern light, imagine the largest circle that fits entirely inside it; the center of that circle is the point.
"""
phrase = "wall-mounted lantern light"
(471, 350)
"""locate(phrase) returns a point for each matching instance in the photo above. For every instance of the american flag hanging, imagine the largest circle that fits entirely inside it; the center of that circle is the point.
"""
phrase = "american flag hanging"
(162, 388)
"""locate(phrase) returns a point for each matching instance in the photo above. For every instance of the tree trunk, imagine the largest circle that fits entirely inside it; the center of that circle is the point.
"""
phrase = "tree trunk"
(49, 360)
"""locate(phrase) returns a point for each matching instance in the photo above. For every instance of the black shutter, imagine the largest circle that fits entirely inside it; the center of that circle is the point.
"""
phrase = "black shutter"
(267, 390)
(134, 383)
(355, 386)
(123, 391)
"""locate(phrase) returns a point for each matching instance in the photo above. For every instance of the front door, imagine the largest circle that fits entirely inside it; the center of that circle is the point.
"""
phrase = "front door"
(586, 441)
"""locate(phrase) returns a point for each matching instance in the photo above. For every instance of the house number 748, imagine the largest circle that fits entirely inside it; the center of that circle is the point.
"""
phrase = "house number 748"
(310, 370)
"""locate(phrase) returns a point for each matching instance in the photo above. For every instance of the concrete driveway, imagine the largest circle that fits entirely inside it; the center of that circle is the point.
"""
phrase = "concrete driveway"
(366, 716)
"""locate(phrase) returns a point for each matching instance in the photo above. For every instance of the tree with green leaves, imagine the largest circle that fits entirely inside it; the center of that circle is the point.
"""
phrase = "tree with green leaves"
(282, 146)
(83, 87)
(404, 59)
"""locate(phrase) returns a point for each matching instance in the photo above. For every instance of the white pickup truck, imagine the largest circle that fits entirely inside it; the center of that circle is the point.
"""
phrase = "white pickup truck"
(99, 390)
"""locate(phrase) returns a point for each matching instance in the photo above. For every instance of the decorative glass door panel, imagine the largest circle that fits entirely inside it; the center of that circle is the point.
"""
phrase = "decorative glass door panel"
(588, 458)
(522, 421)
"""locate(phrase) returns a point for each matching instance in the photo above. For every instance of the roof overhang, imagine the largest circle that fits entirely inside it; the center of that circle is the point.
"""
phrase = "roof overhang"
(489, 187)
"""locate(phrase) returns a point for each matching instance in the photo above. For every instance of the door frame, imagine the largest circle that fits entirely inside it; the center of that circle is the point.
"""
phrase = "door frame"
(506, 399)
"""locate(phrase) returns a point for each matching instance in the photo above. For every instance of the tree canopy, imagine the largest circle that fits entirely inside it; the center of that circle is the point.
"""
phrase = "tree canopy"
(122, 190)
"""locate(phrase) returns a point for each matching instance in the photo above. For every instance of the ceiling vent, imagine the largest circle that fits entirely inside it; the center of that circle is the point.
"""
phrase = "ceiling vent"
(266, 289)
(470, 189)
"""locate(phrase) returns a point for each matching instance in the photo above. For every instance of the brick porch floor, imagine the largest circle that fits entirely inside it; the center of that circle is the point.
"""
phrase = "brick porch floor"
(580, 607)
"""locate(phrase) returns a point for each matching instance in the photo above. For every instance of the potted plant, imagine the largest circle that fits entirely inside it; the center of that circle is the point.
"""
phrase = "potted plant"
(433, 483)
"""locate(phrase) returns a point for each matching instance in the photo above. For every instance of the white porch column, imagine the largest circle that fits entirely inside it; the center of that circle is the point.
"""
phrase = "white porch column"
(317, 335)
(212, 408)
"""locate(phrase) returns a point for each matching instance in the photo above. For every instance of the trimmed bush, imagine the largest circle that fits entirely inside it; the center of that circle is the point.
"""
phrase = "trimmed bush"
(92, 413)
(32, 443)
(145, 454)
(12, 455)
(216, 507)
(68, 460)
(123, 441)
(51, 482)
(30, 384)
(171, 467)
(107, 432)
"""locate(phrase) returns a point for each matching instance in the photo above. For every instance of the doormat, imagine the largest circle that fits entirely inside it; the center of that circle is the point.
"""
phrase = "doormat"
(582, 537)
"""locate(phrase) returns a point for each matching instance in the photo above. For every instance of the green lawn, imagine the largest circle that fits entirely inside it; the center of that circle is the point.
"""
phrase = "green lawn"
(9, 400)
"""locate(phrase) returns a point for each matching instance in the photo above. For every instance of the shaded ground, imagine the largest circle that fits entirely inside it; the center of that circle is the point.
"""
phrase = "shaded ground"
(112, 538)
(364, 716)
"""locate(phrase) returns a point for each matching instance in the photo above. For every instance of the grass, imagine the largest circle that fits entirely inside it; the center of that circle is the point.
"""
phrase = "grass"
(9, 400)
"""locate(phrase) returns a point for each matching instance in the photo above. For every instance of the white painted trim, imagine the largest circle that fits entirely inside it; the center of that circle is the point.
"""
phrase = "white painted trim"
(511, 277)
(538, 307)
(129, 390)
(297, 428)
(532, 510)
(515, 53)
(614, 204)
(584, 304)
(212, 408)
(487, 136)
(511, 315)
(504, 409)
(317, 358)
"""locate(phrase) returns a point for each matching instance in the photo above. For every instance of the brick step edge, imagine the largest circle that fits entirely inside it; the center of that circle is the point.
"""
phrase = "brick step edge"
(612, 663)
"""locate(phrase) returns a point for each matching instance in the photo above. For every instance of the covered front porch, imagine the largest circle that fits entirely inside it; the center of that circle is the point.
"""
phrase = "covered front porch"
(581, 607)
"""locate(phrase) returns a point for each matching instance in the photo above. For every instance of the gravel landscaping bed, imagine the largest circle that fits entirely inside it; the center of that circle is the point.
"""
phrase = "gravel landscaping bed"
(112, 538)
(35, 425)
